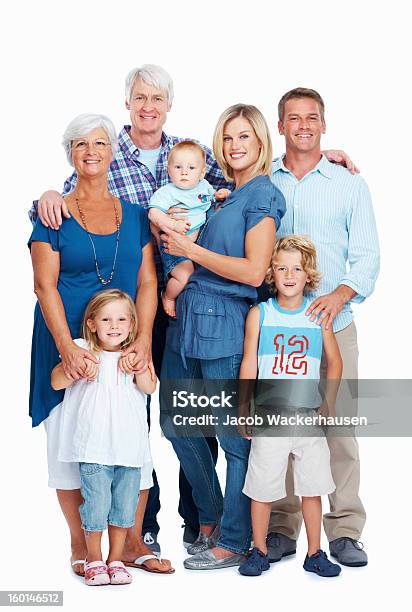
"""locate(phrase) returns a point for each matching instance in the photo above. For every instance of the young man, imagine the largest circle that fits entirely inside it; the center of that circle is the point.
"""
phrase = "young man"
(333, 207)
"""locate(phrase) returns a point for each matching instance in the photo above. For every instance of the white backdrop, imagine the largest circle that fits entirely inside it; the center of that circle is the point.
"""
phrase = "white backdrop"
(64, 58)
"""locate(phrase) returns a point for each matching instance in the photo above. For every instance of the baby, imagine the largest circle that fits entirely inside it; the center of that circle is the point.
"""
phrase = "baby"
(188, 190)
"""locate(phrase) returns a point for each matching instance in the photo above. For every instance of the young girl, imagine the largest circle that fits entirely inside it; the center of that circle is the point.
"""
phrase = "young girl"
(282, 343)
(104, 428)
(190, 191)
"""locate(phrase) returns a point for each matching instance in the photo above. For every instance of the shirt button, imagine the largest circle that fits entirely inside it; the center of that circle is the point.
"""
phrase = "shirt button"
(210, 310)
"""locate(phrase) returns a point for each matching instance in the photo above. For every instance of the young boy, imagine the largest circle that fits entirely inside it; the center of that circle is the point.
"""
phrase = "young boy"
(189, 190)
(282, 343)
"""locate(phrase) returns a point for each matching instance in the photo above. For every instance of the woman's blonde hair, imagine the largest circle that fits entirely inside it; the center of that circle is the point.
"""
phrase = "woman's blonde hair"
(308, 252)
(257, 121)
(99, 301)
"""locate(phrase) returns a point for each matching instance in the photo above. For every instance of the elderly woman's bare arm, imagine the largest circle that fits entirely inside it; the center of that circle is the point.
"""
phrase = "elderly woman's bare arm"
(46, 267)
(250, 269)
(146, 306)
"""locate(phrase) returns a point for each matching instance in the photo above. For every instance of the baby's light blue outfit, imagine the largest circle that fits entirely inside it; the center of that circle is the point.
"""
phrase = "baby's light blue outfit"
(196, 200)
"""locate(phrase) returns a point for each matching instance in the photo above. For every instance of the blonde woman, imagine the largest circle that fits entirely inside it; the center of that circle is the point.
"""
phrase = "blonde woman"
(206, 340)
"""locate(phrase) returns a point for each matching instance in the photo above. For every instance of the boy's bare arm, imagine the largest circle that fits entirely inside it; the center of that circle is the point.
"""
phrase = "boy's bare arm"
(334, 369)
(248, 367)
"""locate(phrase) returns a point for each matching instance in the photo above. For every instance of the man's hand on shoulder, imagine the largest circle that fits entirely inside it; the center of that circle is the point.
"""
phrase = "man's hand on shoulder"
(51, 207)
(326, 307)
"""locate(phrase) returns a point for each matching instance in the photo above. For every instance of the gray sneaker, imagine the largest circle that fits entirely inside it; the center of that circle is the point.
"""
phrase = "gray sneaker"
(207, 561)
(279, 546)
(203, 542)
(348, 552)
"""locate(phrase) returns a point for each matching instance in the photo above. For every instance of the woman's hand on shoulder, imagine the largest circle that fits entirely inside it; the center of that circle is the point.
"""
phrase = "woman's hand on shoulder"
(74, 360)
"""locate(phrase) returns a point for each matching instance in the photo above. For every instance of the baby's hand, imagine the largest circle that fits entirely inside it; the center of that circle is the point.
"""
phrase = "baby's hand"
(127, 363)
(182, 226)
(91, 370)
(222, 194)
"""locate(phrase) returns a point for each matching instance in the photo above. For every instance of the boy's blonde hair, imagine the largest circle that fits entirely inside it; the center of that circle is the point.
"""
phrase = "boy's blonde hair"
(307, 250)
(187, 144)
(257, 121)
(99, 301)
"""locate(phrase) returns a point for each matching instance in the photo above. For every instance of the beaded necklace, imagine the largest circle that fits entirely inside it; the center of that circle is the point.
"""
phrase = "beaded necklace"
(104, 281)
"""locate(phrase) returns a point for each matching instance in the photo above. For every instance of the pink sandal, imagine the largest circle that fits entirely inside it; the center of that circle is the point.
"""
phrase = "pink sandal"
(96, 573)
(118, 573)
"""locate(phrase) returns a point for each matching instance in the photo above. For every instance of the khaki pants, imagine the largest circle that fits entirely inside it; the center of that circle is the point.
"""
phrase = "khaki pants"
(347, 514)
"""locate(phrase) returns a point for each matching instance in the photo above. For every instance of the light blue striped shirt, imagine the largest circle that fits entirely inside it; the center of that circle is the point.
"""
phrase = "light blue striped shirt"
(333, 208)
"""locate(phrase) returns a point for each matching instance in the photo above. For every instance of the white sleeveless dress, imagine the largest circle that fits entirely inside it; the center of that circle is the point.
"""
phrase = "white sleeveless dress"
(104, 421)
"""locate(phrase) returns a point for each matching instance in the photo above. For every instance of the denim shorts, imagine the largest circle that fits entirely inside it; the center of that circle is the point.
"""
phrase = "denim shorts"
(110, 494)
(170, 262)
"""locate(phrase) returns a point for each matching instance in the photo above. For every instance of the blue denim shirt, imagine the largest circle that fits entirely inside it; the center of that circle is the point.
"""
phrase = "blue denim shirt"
(211, 312)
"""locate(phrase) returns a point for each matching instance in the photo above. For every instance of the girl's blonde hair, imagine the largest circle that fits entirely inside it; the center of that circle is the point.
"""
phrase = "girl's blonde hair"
(99, 301)
(257, 121)
(308, 252)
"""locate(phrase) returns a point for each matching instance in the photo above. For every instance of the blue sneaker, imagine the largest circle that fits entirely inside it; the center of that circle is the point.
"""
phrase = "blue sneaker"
(320, 565)
(256, 563)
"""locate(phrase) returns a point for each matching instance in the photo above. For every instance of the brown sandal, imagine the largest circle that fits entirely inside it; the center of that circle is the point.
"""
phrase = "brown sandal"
(140, 561)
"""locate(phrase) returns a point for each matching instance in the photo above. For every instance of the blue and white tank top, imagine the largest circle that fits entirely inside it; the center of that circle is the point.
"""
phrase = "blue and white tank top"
(290, 348)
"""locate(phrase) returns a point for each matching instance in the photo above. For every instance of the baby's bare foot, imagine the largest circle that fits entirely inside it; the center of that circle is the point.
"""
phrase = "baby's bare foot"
(169, 305)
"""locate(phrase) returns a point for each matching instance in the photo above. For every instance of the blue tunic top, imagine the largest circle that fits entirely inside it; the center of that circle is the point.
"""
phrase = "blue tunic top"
(211, 311)
(77, 283)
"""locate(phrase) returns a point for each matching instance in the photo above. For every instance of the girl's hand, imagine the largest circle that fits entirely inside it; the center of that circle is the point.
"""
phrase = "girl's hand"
(182, 226)
(222, 194)
(142, 348)
(176, 244)
(91, 371)
(126, 363)
(74, 360)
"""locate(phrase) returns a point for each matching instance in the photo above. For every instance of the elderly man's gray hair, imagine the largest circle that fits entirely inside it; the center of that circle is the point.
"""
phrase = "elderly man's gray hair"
(151, 75)
(82, 125)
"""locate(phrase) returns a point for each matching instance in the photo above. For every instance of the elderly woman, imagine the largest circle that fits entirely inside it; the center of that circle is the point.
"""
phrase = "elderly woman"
(106, 243)
(206, 340)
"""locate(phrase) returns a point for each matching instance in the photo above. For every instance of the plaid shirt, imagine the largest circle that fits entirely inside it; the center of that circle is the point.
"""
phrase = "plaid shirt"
(130, 179)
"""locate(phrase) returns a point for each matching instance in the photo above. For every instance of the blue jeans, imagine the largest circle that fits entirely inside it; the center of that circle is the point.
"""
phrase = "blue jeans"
(233, 512)
(110, 494)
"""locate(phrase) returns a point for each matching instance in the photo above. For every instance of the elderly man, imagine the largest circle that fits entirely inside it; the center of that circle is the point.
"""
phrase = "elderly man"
(332, 207)
(137, 171)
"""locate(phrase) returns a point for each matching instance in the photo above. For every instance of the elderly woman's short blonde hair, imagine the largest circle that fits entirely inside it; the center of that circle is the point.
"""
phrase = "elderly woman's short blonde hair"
(257, 121)
(307, 249)
(82, 125)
